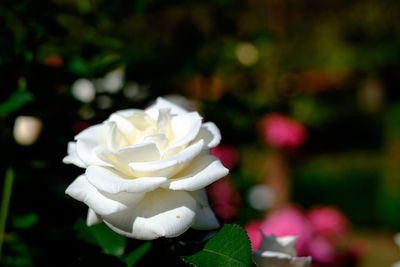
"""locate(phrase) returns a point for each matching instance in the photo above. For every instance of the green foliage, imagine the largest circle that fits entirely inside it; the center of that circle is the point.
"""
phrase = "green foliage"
(387, 208)
(5, 202)
(348, 181)
(16, 100)
(102, 236)
(136, 254)
(25, 221)
(229, 247)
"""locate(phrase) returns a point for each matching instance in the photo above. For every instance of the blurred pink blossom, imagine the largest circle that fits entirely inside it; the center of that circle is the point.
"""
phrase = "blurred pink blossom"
(282, 132)
(321, 250)
(289, 221)
(319, 231)
(328, 222)
(227, 154)
(223, 198)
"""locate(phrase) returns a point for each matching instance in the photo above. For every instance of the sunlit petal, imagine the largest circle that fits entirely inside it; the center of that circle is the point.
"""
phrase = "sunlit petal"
(205, 217)
(203, 171)
(185, 128)
(72, 156)
(162, 213)
(166, 167)
(100, 202)
(93, 218)
(112, 181)
(163, 103)
(211, 135)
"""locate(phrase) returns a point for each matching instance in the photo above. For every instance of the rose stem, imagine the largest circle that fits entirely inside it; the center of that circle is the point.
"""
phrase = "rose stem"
(5, 203)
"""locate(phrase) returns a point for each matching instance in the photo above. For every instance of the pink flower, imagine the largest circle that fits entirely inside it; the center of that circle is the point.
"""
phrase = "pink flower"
(321, 250)
(282, 132)
(317, 231)
(287, 221)
(227, 155)
(328, 222)
(223, 198)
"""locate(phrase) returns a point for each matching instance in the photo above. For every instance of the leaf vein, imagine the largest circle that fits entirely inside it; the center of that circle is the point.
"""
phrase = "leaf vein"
(223, 255)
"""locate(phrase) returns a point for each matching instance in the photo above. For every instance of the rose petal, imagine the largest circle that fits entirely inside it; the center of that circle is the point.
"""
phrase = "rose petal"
(160, 140)
(142, 122)
(185, 128)
(97, 133)
(112, 181)
(164, 122)
(73, 156)
(101, 203)
(123, 123)
(87, 151)
(203, 171)
(285, 244)
(211, 135)
(272, 258)
(187, 124)
(126, 113)
(166, 167)
(205, 217)
(93, 218)
(115, 139)
(121, 158)
(161, 213)
(134, 124)
(163, 103)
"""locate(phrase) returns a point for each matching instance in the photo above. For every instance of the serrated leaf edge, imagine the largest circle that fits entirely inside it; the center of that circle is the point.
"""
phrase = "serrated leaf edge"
(184, 258)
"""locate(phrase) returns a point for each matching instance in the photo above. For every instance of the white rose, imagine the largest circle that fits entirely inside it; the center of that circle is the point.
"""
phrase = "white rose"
(279, 252)
(146, 171)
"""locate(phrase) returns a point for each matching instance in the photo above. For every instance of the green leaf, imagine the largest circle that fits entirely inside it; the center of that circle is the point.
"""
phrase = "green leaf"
(25, 221)
(135, 255)
(78, 66)
(15, 101)
(102, 236)
(229, 247)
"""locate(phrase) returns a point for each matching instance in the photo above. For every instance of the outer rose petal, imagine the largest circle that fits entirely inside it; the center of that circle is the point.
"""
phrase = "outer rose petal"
(112, 181)
(284, 244)
(202, 171)
(205, 217)
(73, 156)
(91, 140)
(101, 203)
(210, 133)
(161, 103)
(162, 213)
(93, 218)
(279, 252)
(97, 133)
(87, 151)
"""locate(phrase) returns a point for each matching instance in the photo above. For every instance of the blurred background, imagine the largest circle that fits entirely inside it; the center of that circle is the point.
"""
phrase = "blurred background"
(305, 93)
